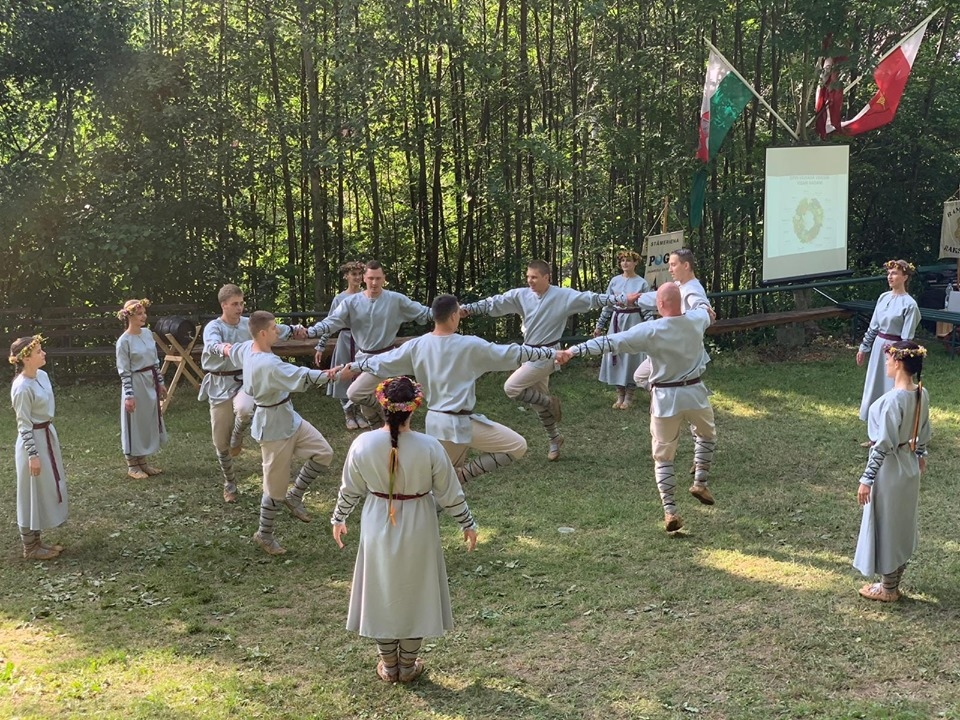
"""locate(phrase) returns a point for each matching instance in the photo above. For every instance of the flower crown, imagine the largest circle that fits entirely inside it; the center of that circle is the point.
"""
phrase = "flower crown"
(900, 353)
(130, 307)
(902, 265)
(353, 266)
(398, 407)
(26, 350)
(624, 254)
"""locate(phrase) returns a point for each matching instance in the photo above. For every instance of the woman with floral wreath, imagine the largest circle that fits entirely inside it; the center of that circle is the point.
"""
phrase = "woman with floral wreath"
(399, 593)
(142, 430)
(889, 492)
(895, 318)
(41, 478)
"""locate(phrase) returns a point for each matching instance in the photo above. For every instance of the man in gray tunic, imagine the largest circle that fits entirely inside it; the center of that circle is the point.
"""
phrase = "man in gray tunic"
(374, 318)
(682, 269)
(674, 344)
(231, 409)
(544, 309)
(448, 365)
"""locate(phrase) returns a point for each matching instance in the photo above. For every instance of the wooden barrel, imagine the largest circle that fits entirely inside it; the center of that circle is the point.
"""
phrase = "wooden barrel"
(181, 328)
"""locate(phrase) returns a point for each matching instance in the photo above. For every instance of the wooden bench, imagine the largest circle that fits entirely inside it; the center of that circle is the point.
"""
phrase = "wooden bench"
(788, 317)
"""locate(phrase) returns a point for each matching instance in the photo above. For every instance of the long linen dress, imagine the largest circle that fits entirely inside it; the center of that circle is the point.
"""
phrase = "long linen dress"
(617, 370)
(897, 317)
(400, 579)
(345, 351)
(888, 530)
(41, 500)
(143, 431)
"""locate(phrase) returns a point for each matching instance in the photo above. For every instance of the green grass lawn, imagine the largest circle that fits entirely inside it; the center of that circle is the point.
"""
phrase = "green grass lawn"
(162, 607)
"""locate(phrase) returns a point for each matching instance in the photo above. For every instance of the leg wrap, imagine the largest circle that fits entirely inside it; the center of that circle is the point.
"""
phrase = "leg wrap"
(387, 650)
(308, 473)
(226, 467)
(549, 423)
(29, 538)
(241, 423)
(666, 484)
(892, 581)
(702, 458)
(409, 650)
(484, 463)
(534, 397)
(268, 512)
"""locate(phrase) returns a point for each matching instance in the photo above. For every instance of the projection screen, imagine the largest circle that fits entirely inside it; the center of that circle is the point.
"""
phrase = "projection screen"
(805, 212)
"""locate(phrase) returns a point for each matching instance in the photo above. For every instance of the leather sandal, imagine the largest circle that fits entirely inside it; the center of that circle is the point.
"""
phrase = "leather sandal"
(876, 591)
(387, 674)
(410, 673)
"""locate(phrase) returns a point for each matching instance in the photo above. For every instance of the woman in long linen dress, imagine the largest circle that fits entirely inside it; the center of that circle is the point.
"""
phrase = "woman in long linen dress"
(345, 350)
(41, 478)
(889, 491)
(895, 317)
(142, 430)
(399, 593)
(617, 370)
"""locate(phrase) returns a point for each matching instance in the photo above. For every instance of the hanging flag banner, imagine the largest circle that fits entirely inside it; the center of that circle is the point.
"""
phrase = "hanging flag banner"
(950, 230)
(659, 248)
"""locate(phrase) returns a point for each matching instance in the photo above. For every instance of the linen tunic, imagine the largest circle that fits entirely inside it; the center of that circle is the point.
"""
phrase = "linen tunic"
(618, 370)
(692, 295)
(345, 351)
(216, 334)
(400, 579)
(544, 316)
(374, 322)
(448, 367)
(38, 505)
(143, 431)
(269, 381)
(888, 529)
(675, 348)
(894, 315)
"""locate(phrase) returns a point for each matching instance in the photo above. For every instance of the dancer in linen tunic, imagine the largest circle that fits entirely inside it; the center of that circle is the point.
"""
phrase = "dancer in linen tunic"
(374, 317)
(895, 317)
(400, 580)
(231, 409)
(888, 529)
(142, 431)
(41, 500)
(674, 344)
(544, 309)
(618, 370)
(448, 366)
(345, 350)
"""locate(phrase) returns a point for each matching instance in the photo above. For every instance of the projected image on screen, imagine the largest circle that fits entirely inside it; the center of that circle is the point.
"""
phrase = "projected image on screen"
(805, 212)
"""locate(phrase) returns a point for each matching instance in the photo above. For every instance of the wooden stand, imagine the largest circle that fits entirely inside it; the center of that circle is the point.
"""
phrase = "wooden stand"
(176, 354)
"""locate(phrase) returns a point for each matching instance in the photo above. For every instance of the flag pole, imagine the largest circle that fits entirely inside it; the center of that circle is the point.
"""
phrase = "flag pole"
(763, 102)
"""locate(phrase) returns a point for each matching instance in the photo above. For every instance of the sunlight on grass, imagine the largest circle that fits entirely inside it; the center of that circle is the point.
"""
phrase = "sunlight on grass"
(779, 398)
(726, 403)
(773, 572)
(530, 543)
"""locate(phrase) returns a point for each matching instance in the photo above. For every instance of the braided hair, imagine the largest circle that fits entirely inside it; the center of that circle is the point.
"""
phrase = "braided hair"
(911, 355)
(398, 397)
(22, 348)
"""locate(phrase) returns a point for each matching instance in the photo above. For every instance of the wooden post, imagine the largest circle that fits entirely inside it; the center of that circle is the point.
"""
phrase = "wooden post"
(795, 334)
(664, 214)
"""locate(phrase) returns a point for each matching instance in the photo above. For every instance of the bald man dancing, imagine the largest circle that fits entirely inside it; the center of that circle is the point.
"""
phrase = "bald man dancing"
(674, 344)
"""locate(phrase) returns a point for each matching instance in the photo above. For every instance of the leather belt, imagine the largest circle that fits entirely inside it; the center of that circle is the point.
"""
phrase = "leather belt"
(681, 383)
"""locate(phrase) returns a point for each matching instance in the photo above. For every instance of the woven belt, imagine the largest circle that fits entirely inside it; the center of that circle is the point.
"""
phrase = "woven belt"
(545, 345)
(285, 400)
(45, 426)
(681, 383)
(888, 336)
(453, 412)
(227, 373)
(156, 386)
(398, 497)
(378, 352)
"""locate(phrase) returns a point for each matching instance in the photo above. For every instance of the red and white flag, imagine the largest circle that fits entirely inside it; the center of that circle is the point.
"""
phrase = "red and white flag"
(891, 76)
(829, 102)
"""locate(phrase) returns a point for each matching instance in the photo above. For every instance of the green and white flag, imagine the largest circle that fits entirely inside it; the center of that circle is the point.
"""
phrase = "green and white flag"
(724, 97)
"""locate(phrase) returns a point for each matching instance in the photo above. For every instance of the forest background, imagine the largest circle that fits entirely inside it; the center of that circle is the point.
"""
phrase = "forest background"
(162, 147)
